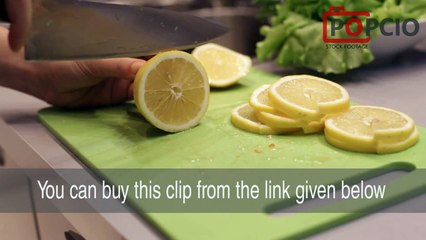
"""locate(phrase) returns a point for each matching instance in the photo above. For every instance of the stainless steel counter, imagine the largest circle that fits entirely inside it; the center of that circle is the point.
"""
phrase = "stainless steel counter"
(399, 84)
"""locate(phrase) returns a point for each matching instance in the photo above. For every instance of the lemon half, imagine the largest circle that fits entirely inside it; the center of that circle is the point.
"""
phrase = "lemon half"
(172, 91)
(224, 66)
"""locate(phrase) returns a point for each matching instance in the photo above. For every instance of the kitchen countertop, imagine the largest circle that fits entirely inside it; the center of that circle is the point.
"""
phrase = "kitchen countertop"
(398, 84)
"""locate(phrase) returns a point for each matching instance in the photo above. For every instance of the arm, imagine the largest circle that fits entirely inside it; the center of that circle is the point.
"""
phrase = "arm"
(69, 83)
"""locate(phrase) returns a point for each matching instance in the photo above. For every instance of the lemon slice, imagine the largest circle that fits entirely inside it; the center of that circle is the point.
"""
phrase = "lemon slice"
(384, 147)
(314, 127)
(359, 146)
(172, 91)
(244, 118)
(308, 97)
(368, 123)
(259, 100)
(278, 120)
(371, 129)
(380, 147)
(224, 66)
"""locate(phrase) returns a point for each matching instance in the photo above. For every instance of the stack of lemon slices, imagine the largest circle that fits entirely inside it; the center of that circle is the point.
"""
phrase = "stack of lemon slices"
(309, 104)
(295, 103)
(372, 130)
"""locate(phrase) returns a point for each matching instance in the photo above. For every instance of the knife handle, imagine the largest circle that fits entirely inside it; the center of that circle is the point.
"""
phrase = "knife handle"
(3, 13)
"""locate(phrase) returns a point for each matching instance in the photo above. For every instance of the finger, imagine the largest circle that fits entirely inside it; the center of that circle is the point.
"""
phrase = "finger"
(109, 92)
(112, 91)
(19, 12)
(130, 95)
(125, 68)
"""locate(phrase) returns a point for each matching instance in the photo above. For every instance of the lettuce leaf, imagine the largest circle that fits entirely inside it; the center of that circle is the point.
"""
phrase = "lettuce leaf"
(294, 35)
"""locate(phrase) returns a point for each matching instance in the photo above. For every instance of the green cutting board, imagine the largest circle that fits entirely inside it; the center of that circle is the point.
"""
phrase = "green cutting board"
(116, 137)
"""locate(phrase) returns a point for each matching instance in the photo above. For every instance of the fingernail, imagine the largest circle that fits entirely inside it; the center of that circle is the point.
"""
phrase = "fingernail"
(134, 68)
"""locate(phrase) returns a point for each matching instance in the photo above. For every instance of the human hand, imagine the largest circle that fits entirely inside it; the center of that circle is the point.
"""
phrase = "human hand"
(19, 12)
(69, 84)
(73, 84)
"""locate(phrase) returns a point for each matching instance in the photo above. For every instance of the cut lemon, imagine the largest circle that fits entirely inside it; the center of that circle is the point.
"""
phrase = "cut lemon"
(224, 66)
(307, 97)
(244, 118)
(359, 146)
(386, 147)
(371, 129)
(279, 120)
(172, 91)
(314, 127)
(369, 122)
(259, 100)
(379, 147)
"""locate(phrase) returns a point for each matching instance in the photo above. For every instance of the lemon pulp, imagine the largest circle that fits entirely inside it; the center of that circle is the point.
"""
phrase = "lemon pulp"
(244, 118)
(171, 91)
(259, 100)
(308, 97)
(371, 129)
(224, 66)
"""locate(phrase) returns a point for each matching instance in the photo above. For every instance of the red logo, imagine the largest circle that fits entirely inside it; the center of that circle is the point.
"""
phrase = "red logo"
(336, 24)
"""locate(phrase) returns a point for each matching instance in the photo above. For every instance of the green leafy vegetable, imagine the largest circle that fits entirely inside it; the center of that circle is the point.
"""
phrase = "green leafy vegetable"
(294, 35)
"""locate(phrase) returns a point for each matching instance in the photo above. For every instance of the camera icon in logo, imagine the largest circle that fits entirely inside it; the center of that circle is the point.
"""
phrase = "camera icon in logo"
(334, 21)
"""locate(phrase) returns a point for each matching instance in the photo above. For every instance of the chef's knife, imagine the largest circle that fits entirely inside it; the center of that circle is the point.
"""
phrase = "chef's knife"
(75, 29)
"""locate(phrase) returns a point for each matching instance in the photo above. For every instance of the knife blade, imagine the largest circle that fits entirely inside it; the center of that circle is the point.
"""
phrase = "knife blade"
(73, 29)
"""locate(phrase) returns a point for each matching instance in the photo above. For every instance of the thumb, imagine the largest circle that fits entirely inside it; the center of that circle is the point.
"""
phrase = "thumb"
(125, 68)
